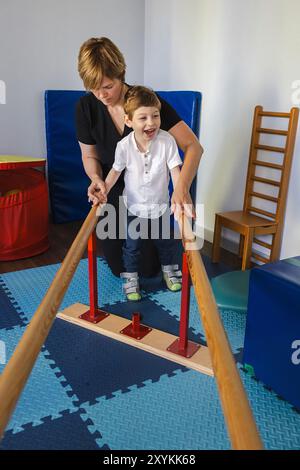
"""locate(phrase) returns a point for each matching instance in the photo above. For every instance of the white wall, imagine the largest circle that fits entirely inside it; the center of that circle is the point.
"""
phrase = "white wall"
(39, 44)
(238, 54)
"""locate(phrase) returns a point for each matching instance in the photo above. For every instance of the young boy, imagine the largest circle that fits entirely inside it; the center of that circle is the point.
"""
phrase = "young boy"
(148, 155)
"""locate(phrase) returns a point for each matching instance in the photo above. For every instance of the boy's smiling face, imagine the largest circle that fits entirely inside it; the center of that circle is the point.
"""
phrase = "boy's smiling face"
(145, 122)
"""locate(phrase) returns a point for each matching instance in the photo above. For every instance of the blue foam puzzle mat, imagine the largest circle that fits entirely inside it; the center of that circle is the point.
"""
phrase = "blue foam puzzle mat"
(179, 406)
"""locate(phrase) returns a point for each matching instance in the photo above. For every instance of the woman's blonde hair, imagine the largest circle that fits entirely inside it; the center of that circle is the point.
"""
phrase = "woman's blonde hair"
(138, 96)
(98, 58)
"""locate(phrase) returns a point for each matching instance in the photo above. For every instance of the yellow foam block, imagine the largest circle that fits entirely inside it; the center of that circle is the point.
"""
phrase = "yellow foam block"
(19, 158)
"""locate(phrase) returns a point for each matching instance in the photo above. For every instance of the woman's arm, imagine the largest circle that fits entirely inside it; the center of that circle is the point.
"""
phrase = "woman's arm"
(190, 145)
(92, 167)
(175, 208)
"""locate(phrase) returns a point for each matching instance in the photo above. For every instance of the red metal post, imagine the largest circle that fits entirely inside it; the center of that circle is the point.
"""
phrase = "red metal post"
(185, 304)
(94, 315)
(135, 329)
(136, 323)
(92, 260)
(182, 345)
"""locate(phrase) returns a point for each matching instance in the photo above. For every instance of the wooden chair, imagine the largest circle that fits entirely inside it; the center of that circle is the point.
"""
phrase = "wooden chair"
(254, 220)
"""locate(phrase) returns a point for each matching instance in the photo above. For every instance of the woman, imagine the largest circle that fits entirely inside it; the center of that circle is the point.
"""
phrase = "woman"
(100, 126)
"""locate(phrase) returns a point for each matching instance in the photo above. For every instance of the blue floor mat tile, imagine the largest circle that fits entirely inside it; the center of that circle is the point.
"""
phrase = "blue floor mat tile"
(233, 322)
(276, 419)
(182, 412)
(98, 366)
(29, 287)
(46, 392)
(10, 314)
(69, 432)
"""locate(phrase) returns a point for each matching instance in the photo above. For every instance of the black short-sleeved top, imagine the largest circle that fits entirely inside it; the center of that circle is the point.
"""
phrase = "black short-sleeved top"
(94, 126)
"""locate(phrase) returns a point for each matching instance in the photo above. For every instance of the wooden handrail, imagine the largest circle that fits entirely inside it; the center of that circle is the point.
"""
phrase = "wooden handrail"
(237, 412)
(17, 370)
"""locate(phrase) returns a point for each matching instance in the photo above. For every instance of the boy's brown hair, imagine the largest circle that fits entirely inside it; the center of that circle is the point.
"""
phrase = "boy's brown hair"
(98, 58)
(138, 96)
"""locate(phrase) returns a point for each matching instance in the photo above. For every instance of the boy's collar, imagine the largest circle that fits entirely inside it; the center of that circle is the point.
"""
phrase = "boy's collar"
(136, 145)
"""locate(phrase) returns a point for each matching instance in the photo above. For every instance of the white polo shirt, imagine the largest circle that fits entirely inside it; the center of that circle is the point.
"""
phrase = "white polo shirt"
(147, 174)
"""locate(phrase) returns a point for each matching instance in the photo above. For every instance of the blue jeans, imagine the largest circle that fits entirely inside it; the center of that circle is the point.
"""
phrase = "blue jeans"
(166, 247)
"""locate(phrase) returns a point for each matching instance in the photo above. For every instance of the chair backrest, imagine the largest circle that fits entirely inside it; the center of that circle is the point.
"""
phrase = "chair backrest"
(269, 165)
(66, 177)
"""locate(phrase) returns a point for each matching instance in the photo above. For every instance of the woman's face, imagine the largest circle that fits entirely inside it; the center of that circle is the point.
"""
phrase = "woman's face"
(109, 91)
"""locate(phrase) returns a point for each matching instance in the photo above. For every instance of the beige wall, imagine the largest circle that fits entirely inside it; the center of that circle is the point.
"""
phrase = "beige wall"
(39, 43)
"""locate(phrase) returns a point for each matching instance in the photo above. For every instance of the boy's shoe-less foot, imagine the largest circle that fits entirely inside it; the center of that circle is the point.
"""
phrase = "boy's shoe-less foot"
(172, 276)
(131, 288)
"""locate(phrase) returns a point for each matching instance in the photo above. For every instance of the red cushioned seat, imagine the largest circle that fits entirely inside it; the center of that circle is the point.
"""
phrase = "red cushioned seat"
(24, 217)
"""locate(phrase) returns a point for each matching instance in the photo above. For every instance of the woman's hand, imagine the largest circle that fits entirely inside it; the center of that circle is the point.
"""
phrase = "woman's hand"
(97, 193)
(181, 201)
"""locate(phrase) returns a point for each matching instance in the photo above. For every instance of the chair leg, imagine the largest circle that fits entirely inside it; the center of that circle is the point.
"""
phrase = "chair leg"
(241, 246)
(217, 240)
(276, 244)
(248, 239)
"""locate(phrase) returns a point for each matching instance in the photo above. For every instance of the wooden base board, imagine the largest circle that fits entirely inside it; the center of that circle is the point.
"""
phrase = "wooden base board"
(156, 342)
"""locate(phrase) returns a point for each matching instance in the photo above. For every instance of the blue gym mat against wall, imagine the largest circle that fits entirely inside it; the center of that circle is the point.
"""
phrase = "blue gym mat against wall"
(87, 391)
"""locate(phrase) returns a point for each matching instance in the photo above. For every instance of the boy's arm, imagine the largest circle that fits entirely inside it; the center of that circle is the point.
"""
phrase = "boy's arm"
(111, 179)
(175, 173)
(117, 168)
